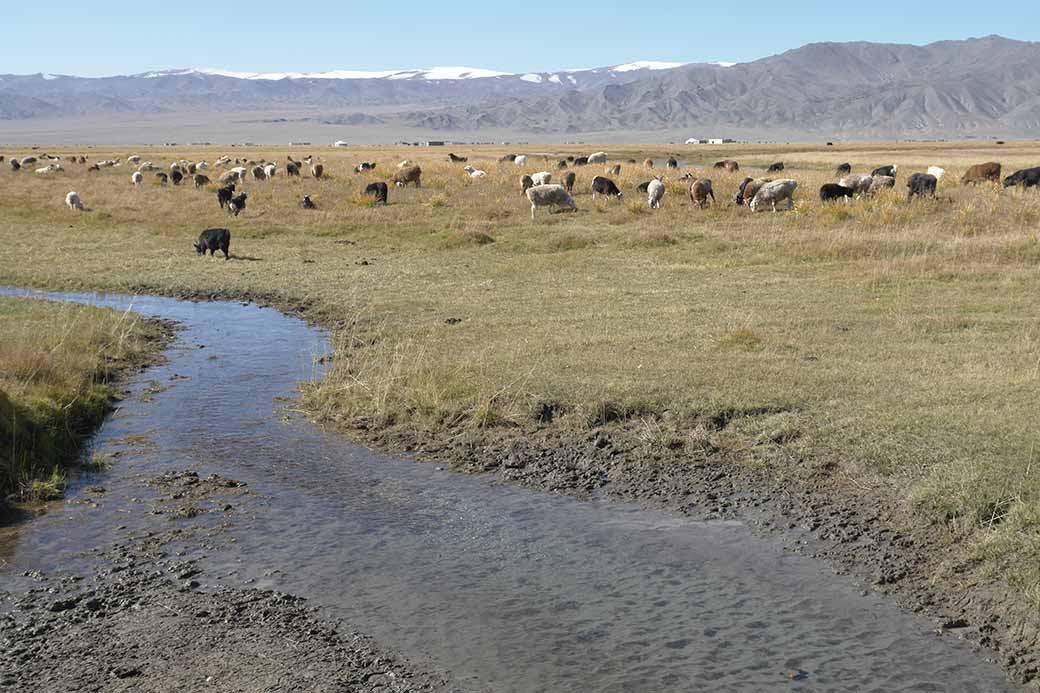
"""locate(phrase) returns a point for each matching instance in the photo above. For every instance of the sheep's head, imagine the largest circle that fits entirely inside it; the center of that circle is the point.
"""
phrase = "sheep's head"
(198, 249)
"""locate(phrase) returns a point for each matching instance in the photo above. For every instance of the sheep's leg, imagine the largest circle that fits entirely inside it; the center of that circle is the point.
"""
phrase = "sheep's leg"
(532, 211)
(790, 204)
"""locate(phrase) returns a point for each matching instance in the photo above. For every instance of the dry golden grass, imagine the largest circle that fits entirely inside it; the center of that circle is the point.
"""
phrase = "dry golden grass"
(900, 341)
(55, 364)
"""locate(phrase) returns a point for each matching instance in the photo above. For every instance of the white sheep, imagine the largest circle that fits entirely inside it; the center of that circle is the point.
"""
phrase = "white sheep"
(147, 166)
(550, 196)
(270, 170)
(50, 168)
(859, 183)
(239, 172)
(133, 159)
(541, 178)
(474, 172)
(72, 201)
(222, 161)
(137, 178)
(777, 191)
(201, 166)
(877, 183)
(598, 158)
(654, 193)
(520, 160)
(937, 172)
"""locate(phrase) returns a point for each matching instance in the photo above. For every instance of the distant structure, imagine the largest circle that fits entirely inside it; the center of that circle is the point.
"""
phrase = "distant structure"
(340, 143)
(710, 140)
(299, 144)
(433, 143)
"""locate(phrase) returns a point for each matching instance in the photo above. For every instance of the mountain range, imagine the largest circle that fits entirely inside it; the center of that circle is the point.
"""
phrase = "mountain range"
(976, 87)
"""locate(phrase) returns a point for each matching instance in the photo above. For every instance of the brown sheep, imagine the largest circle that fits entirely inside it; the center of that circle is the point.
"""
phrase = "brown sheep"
(700, 191)
(412, 174)
(728, 164)
(568, 180)
(751, 189)
(648, 163)
(982, 173)
(615, 170)
(200, 180)
(317, 170)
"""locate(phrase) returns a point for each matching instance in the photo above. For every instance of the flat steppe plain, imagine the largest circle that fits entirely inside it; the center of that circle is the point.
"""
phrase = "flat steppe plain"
(868, 370)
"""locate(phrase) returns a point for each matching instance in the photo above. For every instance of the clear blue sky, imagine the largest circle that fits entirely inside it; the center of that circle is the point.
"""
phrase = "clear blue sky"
(101, 37)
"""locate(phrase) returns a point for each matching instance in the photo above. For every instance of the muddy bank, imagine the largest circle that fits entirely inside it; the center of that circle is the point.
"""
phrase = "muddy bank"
(860, 532)
(148, 620)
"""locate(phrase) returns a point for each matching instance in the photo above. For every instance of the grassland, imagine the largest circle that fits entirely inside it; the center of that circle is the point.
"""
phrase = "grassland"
(56, 366)
(896, 344)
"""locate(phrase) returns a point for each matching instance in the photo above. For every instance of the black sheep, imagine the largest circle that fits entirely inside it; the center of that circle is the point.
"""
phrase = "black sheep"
(1027, 178)
(921, 185)
(775, 168)
(225, 194)
(602, 185)
(306, 203)
(176, 176)
(292, 169)
(844, 169)
(833, 191)
(214, 240)
(237, 204)
(885, 171)
(379, 190)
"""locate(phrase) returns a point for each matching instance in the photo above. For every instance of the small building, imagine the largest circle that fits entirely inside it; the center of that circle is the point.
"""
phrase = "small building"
(696, 140)
(721, 140)
(433, 143)
(340, 143)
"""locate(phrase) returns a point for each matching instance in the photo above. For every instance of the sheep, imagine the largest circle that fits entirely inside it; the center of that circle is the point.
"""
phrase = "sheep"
(878, 183)
(561, 164)
(776, 191)
(306, 203)
(552, 195)
(889, 170)
(133, 159)
(317, 170)
(412, 174)
(843, 169)
(258, 173)
(507, 158)
(654, 193)
(728, 164)
(580, 161)
(240, 173)
(672, 162)
(749, 187)
(222, 161)
(136, 178)
(14, 164)
(200, 180)
(648, 163)
(982, 173)
(615, 170)
(236, 204)
(378, 189)
(457, 159)
(937, 172)
(920, 185)
(28, 160)
(700, 190)
(404, 164)
(597, 158)
(365, 166)
(49, 168)
(82, 160)
(224, 194)
(775, 167)
(146, 166)
(568, 180)
(643, 187)
(833, 191)
(604, 186)
(201, 166)
(525, 183)
(176, 176)
(173, 167)
(190, 168)
(474, 172)
(541, 178)
(214, 240)
(1027, 178)
(73, 202)
(860, 183)
(292, 169)
(161, 177)
(520, 161)
(270, 170)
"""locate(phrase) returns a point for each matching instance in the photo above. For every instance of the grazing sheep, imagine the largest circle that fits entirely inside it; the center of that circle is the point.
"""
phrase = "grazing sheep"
(258, 173)
(525, 183)
(642, 187)
(28, 160)
(176, 177)
(292, 169)
(541, 178)
(889, 170)
(214, 240)
(648, 163)
(568, 180)
(581, 161)
(860, 183)
(457, 159)
(700, 191)
(72, 201)
(506, 157)
(604, 186)
(147, 166)
(317, 170)
(412, 174)
(236, 204)
(843, 169)
(474, 172)
(200, 180)
(654, 193)
(776, 191)
(224, 194)
(133, 159)
(190, 169)
(378, 189)
(14, 164)
(597, 158)
(173, 167)
(520, 161)
(937, 172)
(93, 167)
(833, 191)
(879, 183)
(920, 185)
(49, 168)
(222, 161)
(672, 162)
(82, 160)
(240, 173)
(728, 164)
(365, 166)
(561, 164)
(775, 167)
(161, 177)
(270, 170)
(306, 203)
(550, 196)
(982, 173)
(615, 170)
(136, 178)
(749, 187)
(1027, 178)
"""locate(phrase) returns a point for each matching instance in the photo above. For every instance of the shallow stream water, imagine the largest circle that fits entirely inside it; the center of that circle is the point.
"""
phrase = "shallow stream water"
(508, 589)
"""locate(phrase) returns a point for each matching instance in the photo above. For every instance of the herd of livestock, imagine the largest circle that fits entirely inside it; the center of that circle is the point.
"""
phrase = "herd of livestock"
(539, 188)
